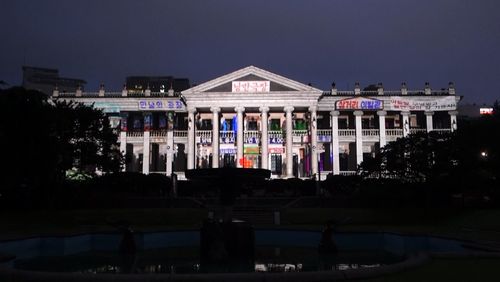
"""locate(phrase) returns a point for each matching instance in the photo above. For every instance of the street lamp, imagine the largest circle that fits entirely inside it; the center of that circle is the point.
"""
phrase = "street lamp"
(484, 154)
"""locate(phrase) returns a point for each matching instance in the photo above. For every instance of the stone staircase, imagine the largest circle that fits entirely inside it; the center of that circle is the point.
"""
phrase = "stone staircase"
(255, 215)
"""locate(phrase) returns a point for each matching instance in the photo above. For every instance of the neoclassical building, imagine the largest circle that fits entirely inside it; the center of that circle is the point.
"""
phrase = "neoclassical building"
(257, 119)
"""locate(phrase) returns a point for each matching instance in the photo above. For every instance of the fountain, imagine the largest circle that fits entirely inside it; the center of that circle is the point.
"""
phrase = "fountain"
(227, 244)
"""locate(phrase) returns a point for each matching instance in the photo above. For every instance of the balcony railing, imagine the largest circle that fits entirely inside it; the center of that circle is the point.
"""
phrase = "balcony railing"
(158, 133)
(136, 134)
(347, 173)
(324, 132)
(370, 132)
(396, 132)
(347, 132)
(442, 130)
(275, 136)
(417, 130)
(204, 136)
(180, 133)
(227, 137)
(251, 137)
(299, 132)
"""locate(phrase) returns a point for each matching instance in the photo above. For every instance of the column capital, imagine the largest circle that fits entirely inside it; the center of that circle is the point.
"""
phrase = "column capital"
(335, 113)
(288, 109)
(405, 113)
(428, 113)
(381, 113)
(239, 109)
(214, 109)
(191, 109)
(358, 113)
(453, 113)
(264, 109)
(313, 108)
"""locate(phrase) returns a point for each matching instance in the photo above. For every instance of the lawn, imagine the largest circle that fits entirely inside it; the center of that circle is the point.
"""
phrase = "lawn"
(465, 224)
(456, 270)
(44, 222)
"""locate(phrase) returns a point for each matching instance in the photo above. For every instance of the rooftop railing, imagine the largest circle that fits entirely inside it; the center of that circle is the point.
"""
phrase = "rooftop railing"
(116, 94)
(381, 92)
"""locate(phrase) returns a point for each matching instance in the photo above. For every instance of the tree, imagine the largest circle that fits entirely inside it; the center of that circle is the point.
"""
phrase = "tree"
(415, 158)
(42, 139)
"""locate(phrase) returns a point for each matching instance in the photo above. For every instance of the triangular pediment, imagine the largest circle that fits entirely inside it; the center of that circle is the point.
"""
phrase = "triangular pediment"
(251, 80)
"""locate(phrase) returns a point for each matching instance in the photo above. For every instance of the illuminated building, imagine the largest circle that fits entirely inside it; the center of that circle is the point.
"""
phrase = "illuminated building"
(255, 118)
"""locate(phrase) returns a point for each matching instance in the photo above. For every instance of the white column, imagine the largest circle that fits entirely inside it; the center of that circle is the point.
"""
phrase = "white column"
(191, 143)
(123, 137)
(406, 123)
(146, 144)
(123, 145)
(453, 120)
(239, 139)
(264, 139)
(289, 140)
(359, 137)
(381, 123)
(170, 151)
(428, 119)
(215, 136)
(335, 141)
(145, 153)
(314, 140)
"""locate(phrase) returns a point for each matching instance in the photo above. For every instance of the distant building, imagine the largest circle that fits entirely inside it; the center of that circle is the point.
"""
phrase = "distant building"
(45, 80)
(161, 84)
(471, 111)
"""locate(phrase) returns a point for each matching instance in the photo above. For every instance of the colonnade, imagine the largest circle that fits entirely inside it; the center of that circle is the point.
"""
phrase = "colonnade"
(264, 111)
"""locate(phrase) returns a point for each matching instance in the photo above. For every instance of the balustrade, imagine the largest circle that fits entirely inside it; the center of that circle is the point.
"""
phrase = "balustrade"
(135, 134)
(204, 136)
(299, 132)
(275, 136)
(324, 132)
(158, 133)
(347, 132)
(370, 132)
(226, 137)
(347, 173)
(180, 133)
(396, 132)
(417, 130)
(442, 130)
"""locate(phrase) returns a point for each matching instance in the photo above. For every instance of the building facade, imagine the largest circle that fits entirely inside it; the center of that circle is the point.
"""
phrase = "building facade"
(257, 119)
(44, 80)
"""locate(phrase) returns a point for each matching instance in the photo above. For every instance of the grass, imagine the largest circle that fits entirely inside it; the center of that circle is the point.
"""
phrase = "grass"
(456, 270)
(465, 224)
(43, 222)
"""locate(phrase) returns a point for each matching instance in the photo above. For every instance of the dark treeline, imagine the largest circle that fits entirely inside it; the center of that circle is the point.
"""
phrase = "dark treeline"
(44, 140)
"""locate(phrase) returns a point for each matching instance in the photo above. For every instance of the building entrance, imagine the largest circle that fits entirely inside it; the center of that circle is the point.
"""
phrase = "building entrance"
(276, 161)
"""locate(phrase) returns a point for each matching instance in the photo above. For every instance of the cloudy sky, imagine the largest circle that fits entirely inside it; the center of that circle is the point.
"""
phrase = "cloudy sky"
(314, 41)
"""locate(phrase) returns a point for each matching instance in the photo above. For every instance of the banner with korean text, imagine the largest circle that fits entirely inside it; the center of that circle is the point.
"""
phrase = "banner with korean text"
(422, 104)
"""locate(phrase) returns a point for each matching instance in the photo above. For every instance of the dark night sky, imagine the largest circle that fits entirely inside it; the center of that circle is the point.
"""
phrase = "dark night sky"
(370, 41)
